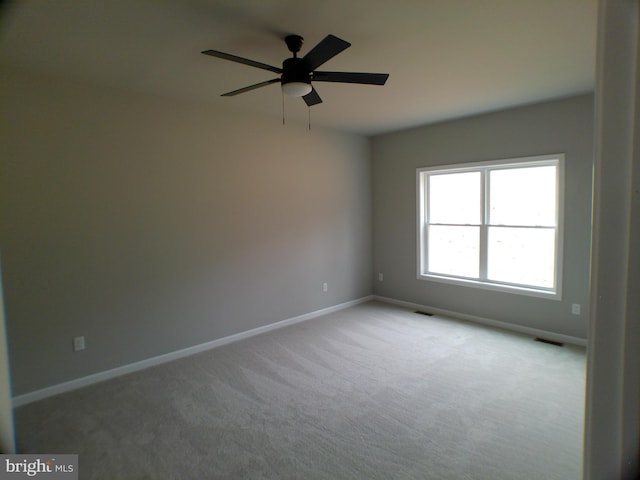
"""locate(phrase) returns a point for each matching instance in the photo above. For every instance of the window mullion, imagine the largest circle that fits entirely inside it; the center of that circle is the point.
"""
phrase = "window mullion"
(427, 221)
(484, 220)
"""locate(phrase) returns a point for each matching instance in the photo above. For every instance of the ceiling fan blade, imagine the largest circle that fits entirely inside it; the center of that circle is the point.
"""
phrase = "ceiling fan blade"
(312, 98)
(245, 61)
(328, 48)
(351, 77)
(250, 87)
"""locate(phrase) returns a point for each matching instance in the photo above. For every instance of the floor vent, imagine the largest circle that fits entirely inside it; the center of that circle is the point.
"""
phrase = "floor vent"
(424, 313)
(550, 342)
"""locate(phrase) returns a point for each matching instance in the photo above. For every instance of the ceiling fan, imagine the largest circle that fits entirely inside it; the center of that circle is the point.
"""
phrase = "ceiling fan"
(297, 74)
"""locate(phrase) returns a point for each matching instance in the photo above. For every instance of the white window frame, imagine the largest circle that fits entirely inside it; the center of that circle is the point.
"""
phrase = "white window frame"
(422, 175)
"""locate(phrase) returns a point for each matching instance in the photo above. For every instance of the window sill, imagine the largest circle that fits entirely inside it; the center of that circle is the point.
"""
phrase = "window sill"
(496, 287)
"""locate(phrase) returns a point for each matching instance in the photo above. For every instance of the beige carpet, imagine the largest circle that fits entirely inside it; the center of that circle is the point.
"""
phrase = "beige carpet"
(371, 392)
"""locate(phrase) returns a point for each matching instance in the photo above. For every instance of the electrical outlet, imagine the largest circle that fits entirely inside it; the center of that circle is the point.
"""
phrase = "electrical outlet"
(78, 344)
(380, 277)
(575, 309)
(325, 287)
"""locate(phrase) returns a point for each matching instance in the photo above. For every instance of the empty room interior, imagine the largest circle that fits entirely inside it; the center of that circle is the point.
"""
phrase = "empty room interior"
(421, 269)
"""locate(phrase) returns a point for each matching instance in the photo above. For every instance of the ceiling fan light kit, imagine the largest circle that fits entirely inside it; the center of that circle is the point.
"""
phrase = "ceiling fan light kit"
(297, 89)
(297, 74)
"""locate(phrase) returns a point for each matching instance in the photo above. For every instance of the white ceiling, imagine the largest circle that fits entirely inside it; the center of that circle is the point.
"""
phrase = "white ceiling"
(446, 58)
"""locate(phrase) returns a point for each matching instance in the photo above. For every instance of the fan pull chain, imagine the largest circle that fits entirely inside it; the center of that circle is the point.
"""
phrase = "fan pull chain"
(282, 108)
(309, 108)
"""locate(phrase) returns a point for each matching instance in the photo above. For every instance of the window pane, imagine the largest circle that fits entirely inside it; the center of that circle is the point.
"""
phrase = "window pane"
(522, 255)
(454, 198)
(454, 250)
(523, 196)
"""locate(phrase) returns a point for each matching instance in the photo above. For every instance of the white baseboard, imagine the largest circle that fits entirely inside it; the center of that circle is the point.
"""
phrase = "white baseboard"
(36, 395)
(556, 337)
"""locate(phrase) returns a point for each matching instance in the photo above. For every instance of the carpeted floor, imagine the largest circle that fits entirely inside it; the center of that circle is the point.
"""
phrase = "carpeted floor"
(371, 392)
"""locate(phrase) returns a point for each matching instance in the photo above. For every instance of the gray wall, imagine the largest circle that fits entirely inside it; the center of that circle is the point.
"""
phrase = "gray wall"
(150, 225)
(564, 126)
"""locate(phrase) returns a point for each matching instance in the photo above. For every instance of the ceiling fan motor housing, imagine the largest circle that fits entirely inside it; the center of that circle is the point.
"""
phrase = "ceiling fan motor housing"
(295, 70)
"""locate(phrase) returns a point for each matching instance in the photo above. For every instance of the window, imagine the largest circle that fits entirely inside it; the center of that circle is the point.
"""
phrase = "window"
(495, 225)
